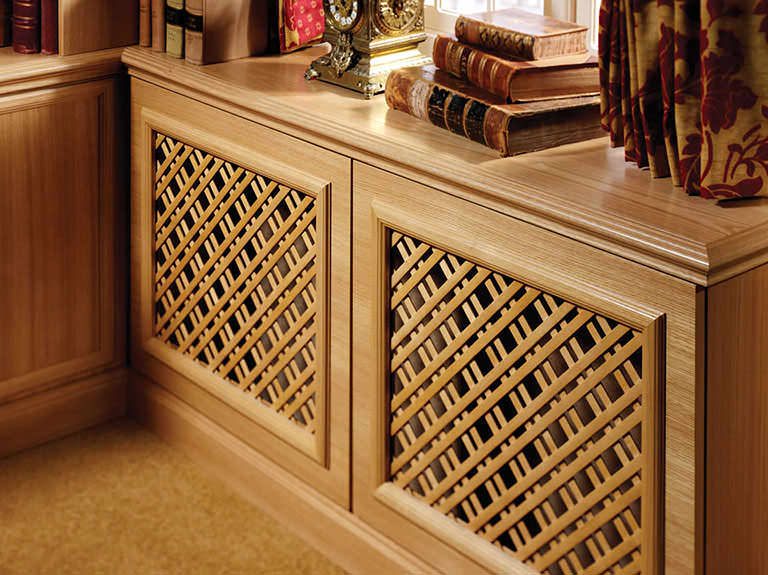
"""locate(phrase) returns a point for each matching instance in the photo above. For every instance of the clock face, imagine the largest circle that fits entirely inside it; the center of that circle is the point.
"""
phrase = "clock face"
(397, 16)
(343, 15)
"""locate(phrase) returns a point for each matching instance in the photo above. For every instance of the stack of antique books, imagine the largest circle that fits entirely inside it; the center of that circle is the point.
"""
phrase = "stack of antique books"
(511, 80)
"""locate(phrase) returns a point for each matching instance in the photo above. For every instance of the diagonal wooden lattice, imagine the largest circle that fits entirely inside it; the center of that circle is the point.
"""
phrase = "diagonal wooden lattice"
(235, 276)
(515, 412)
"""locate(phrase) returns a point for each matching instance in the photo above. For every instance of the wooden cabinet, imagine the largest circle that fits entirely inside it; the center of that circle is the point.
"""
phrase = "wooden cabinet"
(62, 280)
(543, 364)
(509, 388)
(241, 287)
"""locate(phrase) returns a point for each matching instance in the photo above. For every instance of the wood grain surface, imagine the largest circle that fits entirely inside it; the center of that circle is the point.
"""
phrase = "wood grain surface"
(580, 274)
(323, 455)
(57, 412)
(62, 312)
(737, 425)
(585, 191)
(20, 72)
(97, 25)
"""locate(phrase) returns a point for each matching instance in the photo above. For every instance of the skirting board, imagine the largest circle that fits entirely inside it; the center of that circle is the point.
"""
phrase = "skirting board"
(59, 411)
(334, 531)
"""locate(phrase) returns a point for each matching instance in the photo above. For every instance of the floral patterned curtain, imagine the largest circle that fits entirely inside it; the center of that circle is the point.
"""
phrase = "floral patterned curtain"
(685, 90)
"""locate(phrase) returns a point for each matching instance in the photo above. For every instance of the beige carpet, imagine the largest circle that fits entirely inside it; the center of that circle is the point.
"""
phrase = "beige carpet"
(117, 500)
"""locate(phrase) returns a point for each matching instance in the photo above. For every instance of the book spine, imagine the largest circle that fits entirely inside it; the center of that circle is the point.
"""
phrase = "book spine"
(158, 25)
(5, 22)
(145, 23)
(26, 26)
(49, 16)
(474, 66)
(505, 42)
(174, 28)
(447, 109)
(194, 38)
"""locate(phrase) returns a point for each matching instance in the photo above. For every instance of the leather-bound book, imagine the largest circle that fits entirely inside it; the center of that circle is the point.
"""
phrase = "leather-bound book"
(26, 26)
(219, 31)
(158, 25)
(145, 23)
(515, 33)
(49, 27)
(519, 80)
(193, 36)
(6, 12)
(174, 28)
(437, 97)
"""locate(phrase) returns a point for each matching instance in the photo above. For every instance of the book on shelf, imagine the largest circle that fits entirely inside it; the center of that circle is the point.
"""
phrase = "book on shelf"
(26, 26)
(174, 28)
(519, 80)
(49, 24)
(193, 36)
(6, 12)
(158, 25)
(145, 23)
(437, 97)
(515, 33)
(218, 31)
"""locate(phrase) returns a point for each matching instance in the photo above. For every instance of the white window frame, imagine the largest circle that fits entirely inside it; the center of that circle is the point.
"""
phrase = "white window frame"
(441, 20)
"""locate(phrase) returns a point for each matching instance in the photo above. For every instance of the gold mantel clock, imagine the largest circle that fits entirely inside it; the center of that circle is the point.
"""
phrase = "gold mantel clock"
(369, 39)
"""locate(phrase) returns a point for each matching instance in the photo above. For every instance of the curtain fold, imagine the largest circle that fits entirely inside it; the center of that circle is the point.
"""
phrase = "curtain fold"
(687, 101)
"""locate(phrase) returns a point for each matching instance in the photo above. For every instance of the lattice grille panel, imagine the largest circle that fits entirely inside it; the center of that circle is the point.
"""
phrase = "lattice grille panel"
(515, 412)
(236, 276)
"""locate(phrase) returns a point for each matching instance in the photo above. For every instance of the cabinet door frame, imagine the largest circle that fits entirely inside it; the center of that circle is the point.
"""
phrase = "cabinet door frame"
(111, 259)
(642, 298)
(321, 458)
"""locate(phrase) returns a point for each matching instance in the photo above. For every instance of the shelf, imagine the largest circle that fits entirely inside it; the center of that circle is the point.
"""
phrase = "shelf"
(585, 191)
(19, 72)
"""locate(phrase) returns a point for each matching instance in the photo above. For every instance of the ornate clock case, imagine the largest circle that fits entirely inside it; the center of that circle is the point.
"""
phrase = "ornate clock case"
(369, 39)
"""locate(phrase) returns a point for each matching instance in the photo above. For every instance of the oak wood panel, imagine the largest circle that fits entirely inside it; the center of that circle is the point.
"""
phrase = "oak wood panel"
(339, 534)
(61, 274)
(65, 409)
(582, 274)
(88, 25)
(479, 394)
(321, 458)
(737, 425)
(586, 191)
(20, 72)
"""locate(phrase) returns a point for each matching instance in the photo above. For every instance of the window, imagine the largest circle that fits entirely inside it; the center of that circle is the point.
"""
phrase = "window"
(441, 14)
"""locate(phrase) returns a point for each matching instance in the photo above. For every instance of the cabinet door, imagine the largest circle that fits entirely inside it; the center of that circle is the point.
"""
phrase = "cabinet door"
(508, 388)
(61, 261)
(241, 280)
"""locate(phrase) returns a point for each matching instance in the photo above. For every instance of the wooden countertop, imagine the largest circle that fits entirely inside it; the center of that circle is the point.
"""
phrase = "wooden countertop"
(585, 191)
(21, 72)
